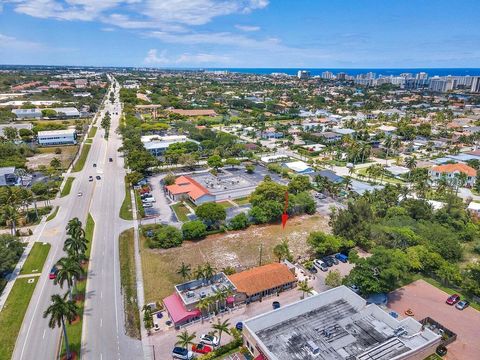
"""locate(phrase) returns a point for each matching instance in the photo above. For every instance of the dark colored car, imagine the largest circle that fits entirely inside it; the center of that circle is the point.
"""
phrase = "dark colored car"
(94, 165)
(462, 305)
(90, 178)
(201, 348)
(453, 299)
(98, 177)
(313, 270)
(53, 273)
(181, 353)
(276, 305)
(341, 257)
(328, 260)
(110, 159)
(239, 326)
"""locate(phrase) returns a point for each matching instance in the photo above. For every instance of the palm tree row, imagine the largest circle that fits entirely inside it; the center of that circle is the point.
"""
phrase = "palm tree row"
(69, 271)
(185, 339)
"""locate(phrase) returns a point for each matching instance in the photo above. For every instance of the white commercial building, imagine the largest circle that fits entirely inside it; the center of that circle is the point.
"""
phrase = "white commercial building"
(336, 325)
(157, 145)
(57, 137)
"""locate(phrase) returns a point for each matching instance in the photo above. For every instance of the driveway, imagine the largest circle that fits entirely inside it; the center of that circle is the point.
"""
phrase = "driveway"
(428, 301)
(161, 209)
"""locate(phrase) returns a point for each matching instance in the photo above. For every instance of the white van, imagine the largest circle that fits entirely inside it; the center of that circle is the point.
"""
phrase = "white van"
(314, 349)
(149, 199)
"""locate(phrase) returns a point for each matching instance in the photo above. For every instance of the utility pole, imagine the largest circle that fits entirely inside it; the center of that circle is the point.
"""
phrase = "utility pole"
(261, 250)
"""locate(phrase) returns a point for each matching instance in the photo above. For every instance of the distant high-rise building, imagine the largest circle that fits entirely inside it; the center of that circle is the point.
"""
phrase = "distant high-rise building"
(421, 75)
(438, 84)
(475, 84)
(370, 75)
(328, 75)
(341, 76)
(303, 74)
(406, 75)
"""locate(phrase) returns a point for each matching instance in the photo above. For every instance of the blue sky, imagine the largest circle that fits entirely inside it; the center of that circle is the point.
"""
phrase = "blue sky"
(241, 33)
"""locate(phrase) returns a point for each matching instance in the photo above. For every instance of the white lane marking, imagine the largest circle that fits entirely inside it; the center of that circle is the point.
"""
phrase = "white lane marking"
(101, 294)
(44, 331)
(101, 322)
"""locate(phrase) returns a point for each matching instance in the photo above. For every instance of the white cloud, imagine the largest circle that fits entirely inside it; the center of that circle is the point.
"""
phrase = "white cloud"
(185, 59)
(247, 28)
(12, 43)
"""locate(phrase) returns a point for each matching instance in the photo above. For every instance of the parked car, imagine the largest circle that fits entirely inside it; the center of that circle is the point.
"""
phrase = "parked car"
(320, 264)
(149, 199)
(328, 261)
(276, 305)
(209, 339)
(462, 305)
(98, 177)
(181, 353)
(313, 270)
(53, 273)
(90, 178)
(201, 348)
(239, 326)
(341, 257)
(147, 205)
(453, 299)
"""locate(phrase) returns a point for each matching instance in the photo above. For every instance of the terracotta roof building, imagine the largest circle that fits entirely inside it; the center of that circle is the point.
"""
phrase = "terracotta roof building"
(262, 281)
(186, 187)
(451, 172)
(195, 112)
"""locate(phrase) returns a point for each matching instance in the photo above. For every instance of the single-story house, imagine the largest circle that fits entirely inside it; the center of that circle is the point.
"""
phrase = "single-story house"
(187, 188)
(328, 174)
(258, 282)
(299, 167)
(328, 136)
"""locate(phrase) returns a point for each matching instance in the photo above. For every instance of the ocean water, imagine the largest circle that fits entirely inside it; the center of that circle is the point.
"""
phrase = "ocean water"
(353, 72)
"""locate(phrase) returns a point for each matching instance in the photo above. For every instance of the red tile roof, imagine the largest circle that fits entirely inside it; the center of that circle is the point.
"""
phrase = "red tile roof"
(451, 168)
(187, 185)
(262, 278)
(177, 310)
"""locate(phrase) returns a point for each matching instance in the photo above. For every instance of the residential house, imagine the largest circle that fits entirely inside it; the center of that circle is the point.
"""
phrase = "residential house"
(451, 172)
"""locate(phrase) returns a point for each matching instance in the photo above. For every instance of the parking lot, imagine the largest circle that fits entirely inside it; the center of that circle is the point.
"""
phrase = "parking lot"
(426, 300)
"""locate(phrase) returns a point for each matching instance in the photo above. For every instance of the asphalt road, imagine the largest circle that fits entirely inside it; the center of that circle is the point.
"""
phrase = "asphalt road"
(103, 336)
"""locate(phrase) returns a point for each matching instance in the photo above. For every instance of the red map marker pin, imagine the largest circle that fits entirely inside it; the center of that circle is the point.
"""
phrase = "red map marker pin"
(285, 215)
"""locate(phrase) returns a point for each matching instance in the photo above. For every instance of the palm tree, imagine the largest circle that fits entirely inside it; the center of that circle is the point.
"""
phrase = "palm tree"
(208, 271)
(282, 250)
(60, 310)
(347, 182)
(74, 227)
(387, 144)
(202, 305)
(74, 245)
(198, 273)
(69, 270)
(304, 288)
(185, 339)
(184, 271)
(10, 215)
(410, 163)
(222, 327)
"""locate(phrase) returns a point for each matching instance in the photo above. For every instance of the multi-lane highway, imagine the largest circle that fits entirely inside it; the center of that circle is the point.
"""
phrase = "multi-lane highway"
(103, 329)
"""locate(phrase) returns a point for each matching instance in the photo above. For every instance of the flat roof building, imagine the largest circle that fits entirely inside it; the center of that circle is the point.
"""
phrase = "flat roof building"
(57, 137)
(8, 176)
(157, 144)
(336, 325)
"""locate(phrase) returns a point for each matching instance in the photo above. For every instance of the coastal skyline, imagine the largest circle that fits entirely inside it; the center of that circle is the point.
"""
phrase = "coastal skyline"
(239, 34)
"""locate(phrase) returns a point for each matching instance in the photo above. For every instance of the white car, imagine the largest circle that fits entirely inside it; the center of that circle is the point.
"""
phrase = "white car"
(209, 339)
(320, 264)
(149, 200)
(79, 193)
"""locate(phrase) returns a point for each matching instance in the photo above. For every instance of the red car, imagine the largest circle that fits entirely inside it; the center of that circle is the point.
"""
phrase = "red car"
(453, 299)
(201, 348)
(53, 273)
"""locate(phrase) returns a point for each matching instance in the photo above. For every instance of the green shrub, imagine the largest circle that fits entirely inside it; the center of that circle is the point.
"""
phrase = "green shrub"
(166, 237)
(194, 230)
(239, 222)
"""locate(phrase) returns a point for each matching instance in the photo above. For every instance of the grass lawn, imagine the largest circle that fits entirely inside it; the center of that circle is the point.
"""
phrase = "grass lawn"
(235, 248)
(242, 201)
(12, 314)
(88, 141)
(53, 214)
(36, 259)
(128, 281)
(82, 158)
(448, 290)
(126, 209)
(138, 202)
(74, 330)
(46, 154)
(92, 132)
(433, 357)
(68, 186)
(181, 211)
(225, 204)
(385, 179)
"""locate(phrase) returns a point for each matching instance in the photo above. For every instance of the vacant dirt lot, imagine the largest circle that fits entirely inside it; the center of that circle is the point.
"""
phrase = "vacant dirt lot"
(426, 300)
(240, 249)
(46, 155)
